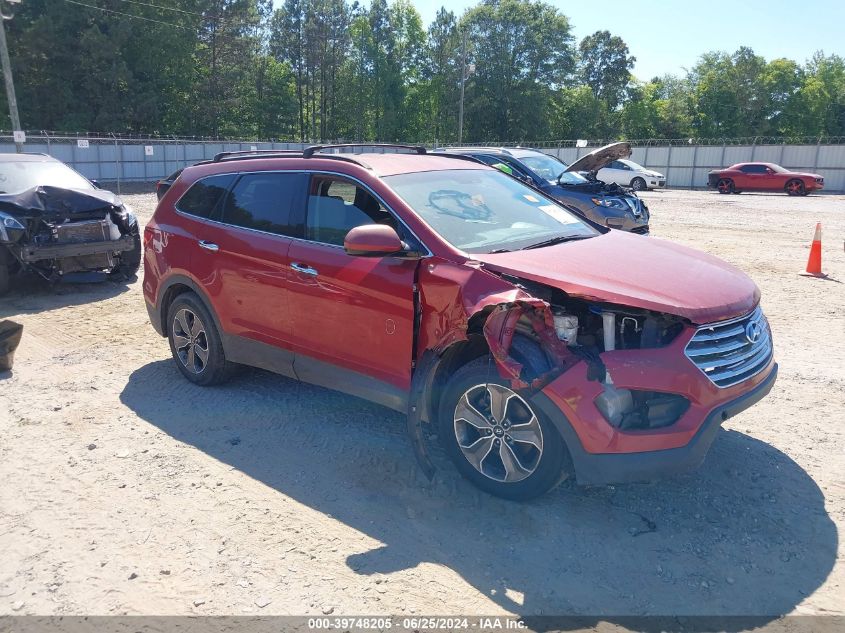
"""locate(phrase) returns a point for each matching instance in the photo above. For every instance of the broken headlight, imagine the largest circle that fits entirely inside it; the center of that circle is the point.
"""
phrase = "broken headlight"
(11, 229)
(611, 203)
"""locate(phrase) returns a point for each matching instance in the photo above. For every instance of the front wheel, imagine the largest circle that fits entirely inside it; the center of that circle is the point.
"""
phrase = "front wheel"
(130, 261)
(495, 437)
(795, 188)
(638, 184)
(4, 278)
(725, 185)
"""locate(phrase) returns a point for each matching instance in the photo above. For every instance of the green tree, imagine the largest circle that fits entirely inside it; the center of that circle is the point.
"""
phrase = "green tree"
(442, 74)
(522, 51)
(605, 65)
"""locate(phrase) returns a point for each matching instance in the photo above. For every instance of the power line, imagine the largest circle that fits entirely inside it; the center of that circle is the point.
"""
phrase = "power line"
(177, 10)
(129, 15)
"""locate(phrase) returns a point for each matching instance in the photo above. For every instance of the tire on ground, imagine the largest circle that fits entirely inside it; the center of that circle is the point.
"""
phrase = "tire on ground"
(549, 470)
(130, 261)
(216, 369)
(638, 184)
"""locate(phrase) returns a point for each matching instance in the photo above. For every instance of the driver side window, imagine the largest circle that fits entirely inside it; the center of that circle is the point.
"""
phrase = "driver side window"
(335, 206)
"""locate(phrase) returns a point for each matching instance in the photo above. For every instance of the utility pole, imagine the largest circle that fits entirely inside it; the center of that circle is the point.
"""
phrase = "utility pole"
(7, 74)
(463, 81)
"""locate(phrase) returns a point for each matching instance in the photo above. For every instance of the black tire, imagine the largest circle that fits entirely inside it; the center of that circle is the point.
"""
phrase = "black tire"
(795, 187)
(4, 276)
(638, 184)
(546, 464)
(130, 261)
(214, 369)
(725, 185)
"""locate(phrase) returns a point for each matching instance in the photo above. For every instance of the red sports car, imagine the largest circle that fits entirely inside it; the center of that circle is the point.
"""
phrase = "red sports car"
(763, 177)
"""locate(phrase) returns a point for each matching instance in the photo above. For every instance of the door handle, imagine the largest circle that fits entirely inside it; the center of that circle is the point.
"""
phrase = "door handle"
(307, 270)
(209, 246)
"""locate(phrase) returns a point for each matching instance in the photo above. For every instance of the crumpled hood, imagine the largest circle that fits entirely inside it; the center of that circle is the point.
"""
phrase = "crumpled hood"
(636, 271)
(46, 201)
(601, 157)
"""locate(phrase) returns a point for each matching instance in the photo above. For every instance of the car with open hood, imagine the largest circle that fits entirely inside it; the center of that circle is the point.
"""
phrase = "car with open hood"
(54, 221)
(574, 185)
(532, 343)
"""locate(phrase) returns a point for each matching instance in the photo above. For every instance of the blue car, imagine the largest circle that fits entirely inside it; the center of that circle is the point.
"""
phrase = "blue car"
(574, 185)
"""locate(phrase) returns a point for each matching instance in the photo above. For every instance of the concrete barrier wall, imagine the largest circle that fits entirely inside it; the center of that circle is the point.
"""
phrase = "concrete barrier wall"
(685, 166)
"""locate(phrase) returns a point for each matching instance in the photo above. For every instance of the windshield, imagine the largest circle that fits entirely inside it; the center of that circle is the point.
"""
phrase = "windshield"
(17, 176)
(552, 169)
(777, 168)
(486, 211)
(545, 166)
(632, 165)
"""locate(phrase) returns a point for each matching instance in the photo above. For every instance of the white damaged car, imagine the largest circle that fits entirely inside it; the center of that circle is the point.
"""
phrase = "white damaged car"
(627, 173)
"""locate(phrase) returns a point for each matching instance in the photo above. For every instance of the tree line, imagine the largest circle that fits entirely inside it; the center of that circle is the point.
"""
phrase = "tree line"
(334, 69)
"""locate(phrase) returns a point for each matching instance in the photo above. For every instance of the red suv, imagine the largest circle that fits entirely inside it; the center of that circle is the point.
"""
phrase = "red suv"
(535, 343)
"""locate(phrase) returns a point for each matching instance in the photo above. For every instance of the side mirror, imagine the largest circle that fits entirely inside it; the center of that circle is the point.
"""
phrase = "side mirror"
(96, 184)
(372, 240)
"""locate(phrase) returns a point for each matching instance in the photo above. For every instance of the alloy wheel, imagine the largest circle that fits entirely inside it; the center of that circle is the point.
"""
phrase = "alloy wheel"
(498, 433)
(795, 187)
(190, 340)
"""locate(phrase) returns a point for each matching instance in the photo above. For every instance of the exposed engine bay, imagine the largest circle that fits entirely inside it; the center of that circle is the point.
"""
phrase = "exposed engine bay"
(54, 231)
(536, 333)
(588, 329)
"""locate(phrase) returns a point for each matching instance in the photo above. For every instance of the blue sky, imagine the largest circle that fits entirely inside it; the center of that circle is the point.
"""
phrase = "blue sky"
(667, 36)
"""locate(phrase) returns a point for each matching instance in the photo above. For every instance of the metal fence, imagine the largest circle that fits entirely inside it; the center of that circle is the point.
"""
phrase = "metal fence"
(685, 162)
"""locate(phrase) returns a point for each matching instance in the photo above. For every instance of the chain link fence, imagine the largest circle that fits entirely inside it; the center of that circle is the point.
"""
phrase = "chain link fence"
(122, 159)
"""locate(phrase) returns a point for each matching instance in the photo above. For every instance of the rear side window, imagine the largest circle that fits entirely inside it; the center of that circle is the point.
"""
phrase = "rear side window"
(753, 169)
(266, 202)
(204, 197)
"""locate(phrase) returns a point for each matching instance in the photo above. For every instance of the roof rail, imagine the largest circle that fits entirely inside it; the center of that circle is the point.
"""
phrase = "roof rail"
(475, 149)
(308, 152)
(261, 153)
(257, 155)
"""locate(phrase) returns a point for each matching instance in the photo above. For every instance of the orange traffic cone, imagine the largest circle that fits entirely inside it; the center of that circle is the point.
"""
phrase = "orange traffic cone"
(814, 264)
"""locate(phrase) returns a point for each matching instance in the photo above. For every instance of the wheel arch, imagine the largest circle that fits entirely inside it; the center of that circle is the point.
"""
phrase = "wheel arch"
(177, 285)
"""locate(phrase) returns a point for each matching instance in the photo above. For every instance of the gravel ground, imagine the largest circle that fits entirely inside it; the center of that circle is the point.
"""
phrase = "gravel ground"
(126, 490)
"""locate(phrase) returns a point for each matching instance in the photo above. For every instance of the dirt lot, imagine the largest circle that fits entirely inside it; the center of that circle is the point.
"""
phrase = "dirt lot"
(127, 490)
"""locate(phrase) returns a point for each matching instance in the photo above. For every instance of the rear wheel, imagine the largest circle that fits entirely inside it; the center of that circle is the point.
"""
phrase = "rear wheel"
(638, 184)
(495, 437)
(195, 343)
(725, 185)
(795, 188)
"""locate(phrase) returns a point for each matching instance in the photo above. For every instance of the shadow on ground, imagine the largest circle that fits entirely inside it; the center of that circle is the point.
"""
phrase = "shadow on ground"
(31, 294)
(747, 534)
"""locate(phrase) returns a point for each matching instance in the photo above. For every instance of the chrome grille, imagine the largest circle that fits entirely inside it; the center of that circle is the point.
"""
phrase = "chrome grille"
(726, 351)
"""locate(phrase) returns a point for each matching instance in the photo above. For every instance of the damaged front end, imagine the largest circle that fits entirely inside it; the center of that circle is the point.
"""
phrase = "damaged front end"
(53, 231)
(536, 335)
